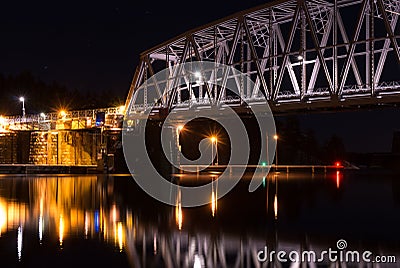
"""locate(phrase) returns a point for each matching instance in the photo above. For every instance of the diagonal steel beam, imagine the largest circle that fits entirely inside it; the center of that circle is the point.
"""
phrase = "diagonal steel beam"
(346, 41)
(324, 41)
(235, 77)
(151, 71)
(292, 75)
(263, 66)
(385, 50)
(198, 56)
(255, 58)
(286, 53)
(235, 41)
(178, 70)
(137, 78)
(317, 47)
(350, 53)
(389, 30)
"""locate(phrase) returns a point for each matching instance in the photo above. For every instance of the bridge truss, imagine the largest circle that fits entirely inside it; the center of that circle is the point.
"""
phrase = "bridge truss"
(299, 54)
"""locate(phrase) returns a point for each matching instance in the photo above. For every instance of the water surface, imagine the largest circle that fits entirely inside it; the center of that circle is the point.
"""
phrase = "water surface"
(107, 221)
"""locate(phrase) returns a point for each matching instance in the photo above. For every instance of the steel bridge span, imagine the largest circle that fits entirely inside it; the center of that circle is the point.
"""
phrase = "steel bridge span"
(301, 55)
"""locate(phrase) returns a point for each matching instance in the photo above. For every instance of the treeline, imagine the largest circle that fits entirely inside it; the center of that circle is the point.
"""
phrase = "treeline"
(48, 97)
(297, 146)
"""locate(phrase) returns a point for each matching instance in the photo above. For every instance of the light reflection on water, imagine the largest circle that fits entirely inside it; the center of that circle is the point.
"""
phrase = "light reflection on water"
(287, 211)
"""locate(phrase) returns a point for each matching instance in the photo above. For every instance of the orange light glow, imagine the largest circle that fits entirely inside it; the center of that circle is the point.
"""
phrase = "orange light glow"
(276, 137)
(338, 179)
(121, 109)
(178, 216)
(3, 217)
(61, 230)
(120, 235)
(62, 113)
(178, 211)
(276, 206)
(213, 203)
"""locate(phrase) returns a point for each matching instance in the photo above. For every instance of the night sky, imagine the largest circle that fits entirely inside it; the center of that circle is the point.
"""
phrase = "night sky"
(95, 45)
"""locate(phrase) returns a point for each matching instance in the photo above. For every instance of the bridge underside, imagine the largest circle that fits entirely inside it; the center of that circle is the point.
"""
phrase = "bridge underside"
(300, 56)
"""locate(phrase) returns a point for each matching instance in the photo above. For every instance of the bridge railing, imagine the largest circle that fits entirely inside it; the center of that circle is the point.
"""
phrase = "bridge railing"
(110, 117)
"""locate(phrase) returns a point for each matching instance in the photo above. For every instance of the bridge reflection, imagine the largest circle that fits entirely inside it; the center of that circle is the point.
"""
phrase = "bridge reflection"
(88, 207)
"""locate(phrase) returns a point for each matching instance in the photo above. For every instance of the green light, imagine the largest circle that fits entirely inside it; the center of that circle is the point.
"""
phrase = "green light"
(264, 164)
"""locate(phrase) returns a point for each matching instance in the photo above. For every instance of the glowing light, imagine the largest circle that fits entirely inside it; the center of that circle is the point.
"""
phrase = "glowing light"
(197, 74)
(179, 216)
(178, 212)
(214, 204)
(155, 244)
(276, 137)
(19, 243)
(41, 221)
(197, 261)
(2, 120)
(300, 57)
(264, 164)
(3, 217)
(338, 179)
(179, 128)
(337, 164)
(40, 229)
(61, 230)
(276, 206)
(96, 221)
(21, 99)
(86, 223)
(42, 115)
(62, 113)
(121, 109)
(213, 139)
(114, 213)
(120, 236)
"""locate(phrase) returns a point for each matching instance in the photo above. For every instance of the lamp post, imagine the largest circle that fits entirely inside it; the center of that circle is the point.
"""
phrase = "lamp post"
(214, 140)
(22, 99)
(276, 153)
(179, 128)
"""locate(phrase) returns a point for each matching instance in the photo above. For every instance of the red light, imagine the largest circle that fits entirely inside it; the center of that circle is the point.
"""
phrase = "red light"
(337, 164)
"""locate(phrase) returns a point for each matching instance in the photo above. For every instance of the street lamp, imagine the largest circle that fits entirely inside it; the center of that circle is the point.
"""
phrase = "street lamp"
(276, 149)
(179, 128)
(214, 140)
(22, 99)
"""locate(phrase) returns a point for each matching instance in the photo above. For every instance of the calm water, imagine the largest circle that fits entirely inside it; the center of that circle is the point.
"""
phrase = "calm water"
(100, 221)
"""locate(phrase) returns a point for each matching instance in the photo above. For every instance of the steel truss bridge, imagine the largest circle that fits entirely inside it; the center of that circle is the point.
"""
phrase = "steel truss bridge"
(300, 54)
